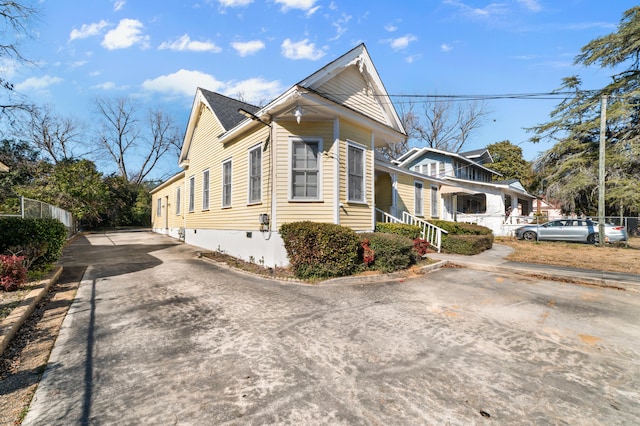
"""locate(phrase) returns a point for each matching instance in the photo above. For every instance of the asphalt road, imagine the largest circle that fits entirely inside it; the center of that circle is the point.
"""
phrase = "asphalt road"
(158, 336)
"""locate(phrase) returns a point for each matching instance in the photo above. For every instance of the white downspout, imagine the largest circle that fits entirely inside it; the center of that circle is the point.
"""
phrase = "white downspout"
(336, 170)
(373, 181)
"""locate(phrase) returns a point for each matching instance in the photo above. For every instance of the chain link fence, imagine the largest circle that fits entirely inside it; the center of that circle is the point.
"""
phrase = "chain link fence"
(34, 209)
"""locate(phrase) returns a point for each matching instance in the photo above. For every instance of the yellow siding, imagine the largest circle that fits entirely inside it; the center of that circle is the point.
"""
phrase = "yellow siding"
(292, 211)
(208, 153)
(357, 216)
(406, 195)
(168, 217)
(351, 89)
(383, 192)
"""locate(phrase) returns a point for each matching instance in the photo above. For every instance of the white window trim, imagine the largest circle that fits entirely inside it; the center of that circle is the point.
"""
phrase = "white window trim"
(178, 200)
(230, 162)
(363, 153)
(293, 139)
(434, 206)
(415, 201)
(254, 148)
(206, 187)
(159, 207)
(192, 194)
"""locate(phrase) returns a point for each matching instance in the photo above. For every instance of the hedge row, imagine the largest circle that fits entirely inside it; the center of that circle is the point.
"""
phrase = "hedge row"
(411, 231)
(464, 238)
(40, 241)
(324, 250)
(320, 250)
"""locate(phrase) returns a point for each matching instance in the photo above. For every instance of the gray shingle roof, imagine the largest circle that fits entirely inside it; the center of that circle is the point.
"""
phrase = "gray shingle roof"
(226, 109)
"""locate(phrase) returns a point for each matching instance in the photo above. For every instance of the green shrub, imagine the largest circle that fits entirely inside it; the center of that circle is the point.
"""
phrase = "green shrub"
(464, 238)
(411, 231)
(391, 252)
(320, 250)
(467, 244)
(461, 228)
(39, 240)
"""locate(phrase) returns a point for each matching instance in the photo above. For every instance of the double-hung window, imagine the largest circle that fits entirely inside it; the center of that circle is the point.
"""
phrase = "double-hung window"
(434, 201)
(255, 174)
(205, 190)
(305, 169)
(192, 193)
(159, 208)
(355, 174)
(226, 184)
(178, 200)
(418, 199)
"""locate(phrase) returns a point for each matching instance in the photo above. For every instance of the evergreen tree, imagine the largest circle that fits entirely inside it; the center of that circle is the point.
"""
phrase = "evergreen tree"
(570, 168)
(508, 161)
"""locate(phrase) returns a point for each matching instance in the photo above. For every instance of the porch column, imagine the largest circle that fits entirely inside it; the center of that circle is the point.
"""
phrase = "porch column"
(394, 195)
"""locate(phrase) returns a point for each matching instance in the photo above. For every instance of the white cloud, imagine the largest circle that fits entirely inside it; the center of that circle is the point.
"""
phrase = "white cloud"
(305, 5)
(235, 3)
(340, 25)
(531, 5)
(88, 30)
(254, 90)
(301, 50)
(491, 10)
(37, 83)
(118, 4)
(185, 43)
(402, 42)
(446, 47)
(390, 28)
(248, 47)
(126, 34)
(8, 68)
(107, 85)
(411, 59)
(184, 83)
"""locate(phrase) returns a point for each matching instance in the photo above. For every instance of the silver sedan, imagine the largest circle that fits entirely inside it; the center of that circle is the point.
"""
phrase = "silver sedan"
(571, 230)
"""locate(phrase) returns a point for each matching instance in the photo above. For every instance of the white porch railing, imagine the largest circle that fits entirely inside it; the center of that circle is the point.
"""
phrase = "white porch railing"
(431, 233)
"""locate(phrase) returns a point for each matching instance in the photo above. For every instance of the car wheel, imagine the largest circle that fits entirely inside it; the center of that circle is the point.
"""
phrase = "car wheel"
(529, 236)
(592, 238)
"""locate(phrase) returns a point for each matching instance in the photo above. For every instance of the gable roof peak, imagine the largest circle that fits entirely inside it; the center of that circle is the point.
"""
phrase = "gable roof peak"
(226, 108)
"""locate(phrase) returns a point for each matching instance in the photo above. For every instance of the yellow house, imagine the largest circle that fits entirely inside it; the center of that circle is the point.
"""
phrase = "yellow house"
(307, 155)
(3, 167)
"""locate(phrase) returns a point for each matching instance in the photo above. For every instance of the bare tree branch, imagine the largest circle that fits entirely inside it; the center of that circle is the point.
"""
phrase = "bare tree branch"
(15, 25)
(445, 124)
(119, 130)
(164, 137)
(57, 136)
(135, 147)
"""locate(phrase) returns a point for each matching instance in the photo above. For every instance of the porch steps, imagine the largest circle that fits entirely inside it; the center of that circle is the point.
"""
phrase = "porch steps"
(431, 233)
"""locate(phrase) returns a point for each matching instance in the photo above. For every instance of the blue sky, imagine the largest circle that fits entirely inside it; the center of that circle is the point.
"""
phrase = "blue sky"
(160, 51)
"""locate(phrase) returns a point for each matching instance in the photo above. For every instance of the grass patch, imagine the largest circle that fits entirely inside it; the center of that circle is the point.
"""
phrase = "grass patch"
(610, 258)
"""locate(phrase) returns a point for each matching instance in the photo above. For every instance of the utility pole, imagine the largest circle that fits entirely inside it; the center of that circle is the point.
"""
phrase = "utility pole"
(603, 126)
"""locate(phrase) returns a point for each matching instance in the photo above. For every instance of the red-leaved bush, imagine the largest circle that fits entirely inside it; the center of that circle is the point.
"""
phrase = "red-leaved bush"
(13, 272)
(421, 246)
(368, 256)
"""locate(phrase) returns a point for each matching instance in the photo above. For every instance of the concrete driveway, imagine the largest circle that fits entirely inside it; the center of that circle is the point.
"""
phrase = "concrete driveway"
(157, 336)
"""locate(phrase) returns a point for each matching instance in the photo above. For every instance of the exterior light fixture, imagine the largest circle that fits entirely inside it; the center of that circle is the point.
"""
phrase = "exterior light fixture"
(298, 114)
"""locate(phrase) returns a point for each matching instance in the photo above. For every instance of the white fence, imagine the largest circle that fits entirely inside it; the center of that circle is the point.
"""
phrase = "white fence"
(34, 209)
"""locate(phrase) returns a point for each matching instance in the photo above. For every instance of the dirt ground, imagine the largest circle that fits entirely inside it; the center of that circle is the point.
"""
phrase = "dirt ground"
(24, 361)
(612, 258)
